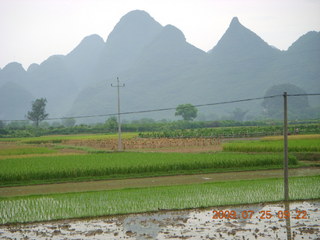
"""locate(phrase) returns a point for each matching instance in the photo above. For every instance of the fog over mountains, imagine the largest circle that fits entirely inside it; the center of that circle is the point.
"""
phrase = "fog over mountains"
(160, 69)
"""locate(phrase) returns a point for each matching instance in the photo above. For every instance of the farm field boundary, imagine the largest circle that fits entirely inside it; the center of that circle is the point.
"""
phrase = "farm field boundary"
(91, 204)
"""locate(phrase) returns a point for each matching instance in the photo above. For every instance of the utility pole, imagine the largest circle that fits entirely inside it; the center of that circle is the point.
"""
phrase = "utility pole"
(118, 86)
(285, 135)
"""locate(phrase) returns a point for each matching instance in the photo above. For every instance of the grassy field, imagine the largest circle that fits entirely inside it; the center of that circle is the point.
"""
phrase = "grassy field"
(295, 144)
(89, 204)
(114, 165)
(61, 138)
(24, 150)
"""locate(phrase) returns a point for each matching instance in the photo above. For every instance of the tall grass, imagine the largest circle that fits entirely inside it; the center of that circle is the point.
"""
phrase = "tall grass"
(295, 145)
(75, 205)
(112, 164)
(291, 137)
(61, 138)
(24, 150)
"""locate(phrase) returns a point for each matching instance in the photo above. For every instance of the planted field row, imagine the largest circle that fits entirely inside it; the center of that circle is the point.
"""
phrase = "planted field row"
(24, 150)
(144, 143)
(91, 204)
(63, 138)
(294, 145)
(57, 168)
(234, 132)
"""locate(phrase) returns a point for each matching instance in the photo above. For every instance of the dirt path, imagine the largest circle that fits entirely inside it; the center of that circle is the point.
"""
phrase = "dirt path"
(150, 182)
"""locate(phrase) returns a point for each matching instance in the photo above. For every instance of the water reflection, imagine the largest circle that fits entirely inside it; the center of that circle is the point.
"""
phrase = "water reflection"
(187, 224)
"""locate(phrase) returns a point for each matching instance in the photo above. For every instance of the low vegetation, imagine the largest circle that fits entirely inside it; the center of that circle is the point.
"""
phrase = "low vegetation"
(124, 165)
(295, 145)
(90, 204)
(17, 167)
(62, 138)
(234, 132)
(10, 151)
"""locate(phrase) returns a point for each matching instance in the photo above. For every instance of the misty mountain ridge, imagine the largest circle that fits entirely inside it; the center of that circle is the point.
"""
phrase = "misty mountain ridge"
(240, 42)
(160, 69)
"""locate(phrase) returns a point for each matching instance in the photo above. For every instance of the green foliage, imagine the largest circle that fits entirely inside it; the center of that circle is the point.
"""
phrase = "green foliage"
(2, 130)
(187, 111)
(234, 132)
(295, 145)
(38, 114)
(111, 124)
(113, 164)
(59, 139)
(68, 122)
(92, 204)
(24, 129)
(2, 124)
(25, 150)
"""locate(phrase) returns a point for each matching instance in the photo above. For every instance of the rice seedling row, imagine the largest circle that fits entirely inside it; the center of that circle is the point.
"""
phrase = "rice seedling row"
(62, 138)
(109, 165)
(24, 150)
(89, 204)
(295, 145)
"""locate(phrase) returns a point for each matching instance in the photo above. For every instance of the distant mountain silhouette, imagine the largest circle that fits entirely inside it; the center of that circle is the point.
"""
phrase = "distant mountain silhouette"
(240, 42)
(12, 72)
(160, 69)
(134, 31)
(14, 100)
(82, 61)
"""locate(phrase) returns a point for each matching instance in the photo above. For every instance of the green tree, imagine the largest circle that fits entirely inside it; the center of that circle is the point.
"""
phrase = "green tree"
(2, 124)
(111, 124)
(38, 112)
(187, 111)
(68, 122)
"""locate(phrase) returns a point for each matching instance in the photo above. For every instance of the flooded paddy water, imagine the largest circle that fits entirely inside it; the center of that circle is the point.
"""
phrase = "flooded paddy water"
(257, 221)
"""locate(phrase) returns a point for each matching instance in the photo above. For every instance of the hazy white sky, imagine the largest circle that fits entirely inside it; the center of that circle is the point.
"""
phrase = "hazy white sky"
(32, 30)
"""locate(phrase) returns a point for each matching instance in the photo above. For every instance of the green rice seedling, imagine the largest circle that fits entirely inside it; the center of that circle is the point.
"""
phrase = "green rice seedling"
(295, 145)
(57, 168)
(62, 138)
(85, 149)
(111, 165)
(292, 137)
(91, 204)
(24, 150)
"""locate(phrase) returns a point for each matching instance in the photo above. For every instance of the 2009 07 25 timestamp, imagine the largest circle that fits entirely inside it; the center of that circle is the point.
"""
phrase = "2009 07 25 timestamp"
(248, 214)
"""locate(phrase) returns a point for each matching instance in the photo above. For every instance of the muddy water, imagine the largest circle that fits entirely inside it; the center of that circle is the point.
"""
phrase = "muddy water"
(148, 182)
(187, 224)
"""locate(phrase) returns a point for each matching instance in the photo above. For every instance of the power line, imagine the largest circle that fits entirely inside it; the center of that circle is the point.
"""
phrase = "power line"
(173, 108)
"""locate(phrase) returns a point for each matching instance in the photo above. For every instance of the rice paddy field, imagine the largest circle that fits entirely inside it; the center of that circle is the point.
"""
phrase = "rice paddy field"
(295, 145)
(111, 165)
(89, 204)
(62, 138)
(53, 159)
